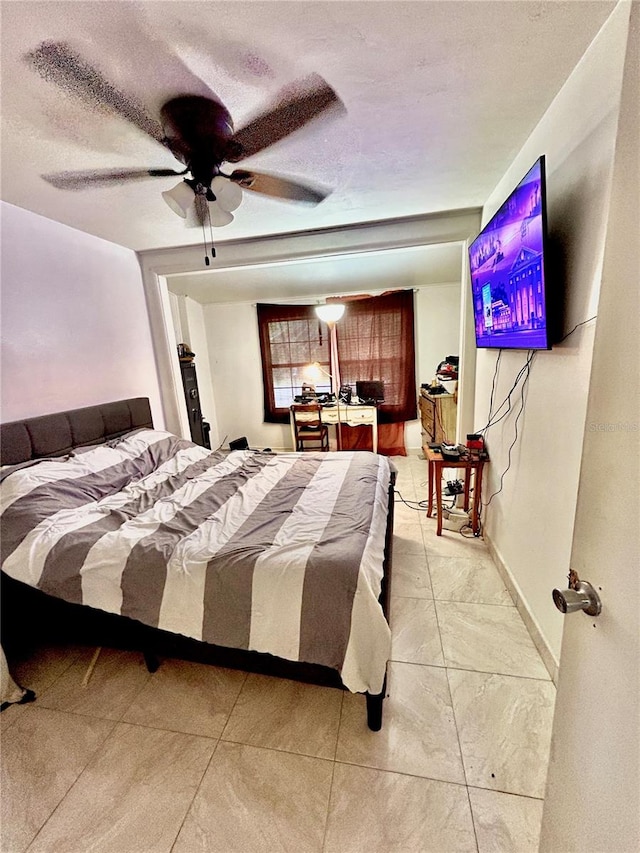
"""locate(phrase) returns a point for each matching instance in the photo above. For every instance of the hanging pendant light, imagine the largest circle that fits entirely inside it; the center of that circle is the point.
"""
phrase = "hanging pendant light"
(330, 312)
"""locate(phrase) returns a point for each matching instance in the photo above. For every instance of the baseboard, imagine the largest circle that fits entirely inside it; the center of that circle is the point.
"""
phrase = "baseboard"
(531, 624)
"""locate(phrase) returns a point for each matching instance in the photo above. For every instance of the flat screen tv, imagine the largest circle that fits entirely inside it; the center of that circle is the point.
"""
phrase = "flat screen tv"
(507, 264)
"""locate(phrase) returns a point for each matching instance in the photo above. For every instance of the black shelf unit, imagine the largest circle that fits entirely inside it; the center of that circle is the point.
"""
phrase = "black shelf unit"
(198, 427)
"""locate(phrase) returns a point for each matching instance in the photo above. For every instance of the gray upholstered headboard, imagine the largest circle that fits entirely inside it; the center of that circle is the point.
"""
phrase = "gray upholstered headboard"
(58, 433)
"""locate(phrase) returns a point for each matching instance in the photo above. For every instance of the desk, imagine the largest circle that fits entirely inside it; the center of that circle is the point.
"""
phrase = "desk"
(470, 463)
(352, 416)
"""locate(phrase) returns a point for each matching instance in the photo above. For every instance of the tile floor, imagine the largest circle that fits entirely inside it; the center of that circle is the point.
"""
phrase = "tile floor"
(195, 758)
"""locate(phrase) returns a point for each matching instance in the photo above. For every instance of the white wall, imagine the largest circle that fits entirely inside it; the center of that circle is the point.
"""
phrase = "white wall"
(437, 336)
(177, 305)
(530, 523)
(75, 330)
(234, 354)
(234, 351)
(437, 327)
(197, 340)
(187, 317)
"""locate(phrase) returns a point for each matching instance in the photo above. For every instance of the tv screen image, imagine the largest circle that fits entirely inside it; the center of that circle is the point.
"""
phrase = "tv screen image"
(507, 265)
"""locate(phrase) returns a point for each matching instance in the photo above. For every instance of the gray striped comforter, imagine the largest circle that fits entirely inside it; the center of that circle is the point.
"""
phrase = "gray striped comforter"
(273, 553)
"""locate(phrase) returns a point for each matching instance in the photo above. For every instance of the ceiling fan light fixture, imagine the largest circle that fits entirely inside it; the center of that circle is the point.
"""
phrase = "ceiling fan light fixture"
(218, 216)
(228, 195)
(180, 198)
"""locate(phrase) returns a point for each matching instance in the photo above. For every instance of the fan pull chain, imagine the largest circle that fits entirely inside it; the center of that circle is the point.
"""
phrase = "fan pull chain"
(213, 250)
(204, 233)
(199, 202)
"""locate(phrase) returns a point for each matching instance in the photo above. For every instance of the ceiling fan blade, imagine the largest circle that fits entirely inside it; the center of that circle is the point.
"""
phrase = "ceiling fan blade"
(91, 178)
(289, 115)
(278, 187)
(57, 63)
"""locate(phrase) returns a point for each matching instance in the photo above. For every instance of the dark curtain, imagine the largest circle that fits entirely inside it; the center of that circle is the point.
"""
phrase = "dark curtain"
(376, 342)
(290, 339)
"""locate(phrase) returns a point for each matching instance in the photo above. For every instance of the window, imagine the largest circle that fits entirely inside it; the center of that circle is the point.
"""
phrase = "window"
(291, 337)
(375, 342)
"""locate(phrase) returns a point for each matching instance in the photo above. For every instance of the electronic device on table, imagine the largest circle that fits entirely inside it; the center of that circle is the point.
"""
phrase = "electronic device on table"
(507, 264)
(323, 399)
(370, 392)
(475, 441)
(344, 394)
(451, 452)
(474, 450)
(435, 388)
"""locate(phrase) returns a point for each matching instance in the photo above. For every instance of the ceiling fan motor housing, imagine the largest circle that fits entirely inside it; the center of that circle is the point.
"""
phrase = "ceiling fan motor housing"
(198, 131)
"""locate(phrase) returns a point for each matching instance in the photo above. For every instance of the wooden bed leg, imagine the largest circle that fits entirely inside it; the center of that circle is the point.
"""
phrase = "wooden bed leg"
(151, 661)
(374, 709)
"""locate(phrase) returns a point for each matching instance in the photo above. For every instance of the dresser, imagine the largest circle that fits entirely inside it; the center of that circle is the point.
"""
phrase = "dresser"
(438, 417)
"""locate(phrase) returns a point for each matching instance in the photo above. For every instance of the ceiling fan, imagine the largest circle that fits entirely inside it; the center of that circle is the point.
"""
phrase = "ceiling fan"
(199, 132)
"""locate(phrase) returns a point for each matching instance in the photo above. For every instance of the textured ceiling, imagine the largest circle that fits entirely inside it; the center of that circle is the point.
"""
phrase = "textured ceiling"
(305, 279)
(440, 96)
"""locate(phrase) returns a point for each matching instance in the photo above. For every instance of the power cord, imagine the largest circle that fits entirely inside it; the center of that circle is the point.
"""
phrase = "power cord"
(420, 505)
(527, 369)
(467, 532)
(577, 326)
(524, 370)
(220, 446)
(493, 384)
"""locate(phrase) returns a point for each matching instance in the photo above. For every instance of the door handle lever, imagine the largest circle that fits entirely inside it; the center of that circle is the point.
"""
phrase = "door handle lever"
(584, 597)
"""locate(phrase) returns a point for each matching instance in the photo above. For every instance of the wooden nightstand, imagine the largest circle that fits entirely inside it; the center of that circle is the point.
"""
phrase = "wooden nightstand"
(470, 464)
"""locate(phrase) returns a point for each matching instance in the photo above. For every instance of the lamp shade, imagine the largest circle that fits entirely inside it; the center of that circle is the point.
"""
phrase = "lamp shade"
(180, 198)
(314, 372)
(218, 216)
(331, 312)
(227, 193)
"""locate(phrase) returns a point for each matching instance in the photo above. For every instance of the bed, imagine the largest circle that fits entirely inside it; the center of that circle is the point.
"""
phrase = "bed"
(122, 535)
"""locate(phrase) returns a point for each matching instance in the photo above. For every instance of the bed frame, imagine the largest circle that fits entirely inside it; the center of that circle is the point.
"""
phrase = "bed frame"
(29, 615)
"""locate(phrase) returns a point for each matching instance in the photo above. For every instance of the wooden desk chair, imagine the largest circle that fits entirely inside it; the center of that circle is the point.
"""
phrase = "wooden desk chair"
(308, 427)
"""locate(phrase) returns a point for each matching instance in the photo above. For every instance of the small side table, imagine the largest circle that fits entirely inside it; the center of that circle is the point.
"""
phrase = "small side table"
(469, 463)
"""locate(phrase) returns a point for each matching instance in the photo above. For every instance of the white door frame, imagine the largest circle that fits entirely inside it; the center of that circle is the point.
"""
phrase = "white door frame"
(156, 265)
